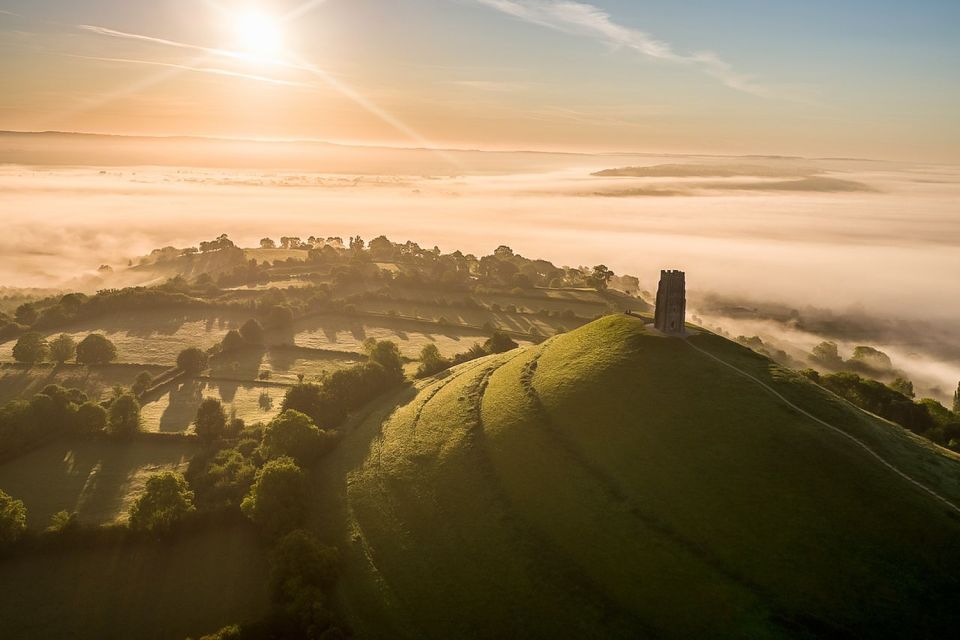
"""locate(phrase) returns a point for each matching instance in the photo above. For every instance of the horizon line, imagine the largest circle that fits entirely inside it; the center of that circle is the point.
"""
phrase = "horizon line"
(454, 149)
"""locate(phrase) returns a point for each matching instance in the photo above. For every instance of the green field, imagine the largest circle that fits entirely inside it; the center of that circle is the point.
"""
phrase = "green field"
(167, 591)
(175, 410)
(519, 322)
(98, 479)
(18, 381)
(283, 363)
(610, 483)
(151, 337)
(345, 333)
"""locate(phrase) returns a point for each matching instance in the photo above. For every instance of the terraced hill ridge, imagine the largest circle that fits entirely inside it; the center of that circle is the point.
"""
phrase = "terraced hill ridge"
(612, 483)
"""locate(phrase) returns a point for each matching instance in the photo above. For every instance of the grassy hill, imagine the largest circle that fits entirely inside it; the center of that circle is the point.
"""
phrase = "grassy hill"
(613, 483)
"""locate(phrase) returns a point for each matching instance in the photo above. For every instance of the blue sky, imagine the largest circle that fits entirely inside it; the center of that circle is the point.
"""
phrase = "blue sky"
(852, 77)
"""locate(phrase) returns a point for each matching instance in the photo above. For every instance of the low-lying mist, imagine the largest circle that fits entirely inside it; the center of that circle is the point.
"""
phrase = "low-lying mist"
(889, 250)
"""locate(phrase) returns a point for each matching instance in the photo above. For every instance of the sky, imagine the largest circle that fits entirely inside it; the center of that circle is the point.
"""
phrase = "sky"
(817, 78)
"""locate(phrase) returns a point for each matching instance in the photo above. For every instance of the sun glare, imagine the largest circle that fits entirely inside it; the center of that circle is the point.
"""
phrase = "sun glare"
(258, 34)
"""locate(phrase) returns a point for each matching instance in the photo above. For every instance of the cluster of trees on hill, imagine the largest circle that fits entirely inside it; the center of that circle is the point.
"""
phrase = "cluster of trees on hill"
(56, 410)
(432, 362)
(344, 390)
(32, 348)
(895, 402)
(864, 360)
(251, 333)
(503, 268)
(50, 313)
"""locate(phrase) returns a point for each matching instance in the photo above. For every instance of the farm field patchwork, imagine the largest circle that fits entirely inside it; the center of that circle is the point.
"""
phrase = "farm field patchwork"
(98, 479)
(283, 363)
(150, 337)
(347, 334)
(174, 411)
(18, 381)
(518, 322)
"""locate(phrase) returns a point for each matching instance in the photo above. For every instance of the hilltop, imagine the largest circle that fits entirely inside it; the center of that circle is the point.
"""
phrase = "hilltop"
(613, 483)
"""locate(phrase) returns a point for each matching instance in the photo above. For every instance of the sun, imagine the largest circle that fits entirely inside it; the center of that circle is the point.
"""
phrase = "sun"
(258, 34)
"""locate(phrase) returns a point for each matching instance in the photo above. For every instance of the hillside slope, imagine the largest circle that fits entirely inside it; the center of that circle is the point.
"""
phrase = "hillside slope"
(612, 483)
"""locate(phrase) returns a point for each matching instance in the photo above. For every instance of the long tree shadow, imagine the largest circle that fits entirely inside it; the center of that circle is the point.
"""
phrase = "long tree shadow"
(92, 477)
(240, 363)
(183, 401)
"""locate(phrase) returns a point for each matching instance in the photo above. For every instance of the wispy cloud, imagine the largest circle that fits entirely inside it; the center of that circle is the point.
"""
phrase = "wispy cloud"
(113, 33)
(584, 19)
(206, 70)
(10, 13)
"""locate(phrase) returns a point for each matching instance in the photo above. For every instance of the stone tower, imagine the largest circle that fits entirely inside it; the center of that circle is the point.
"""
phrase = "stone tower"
(671, 310)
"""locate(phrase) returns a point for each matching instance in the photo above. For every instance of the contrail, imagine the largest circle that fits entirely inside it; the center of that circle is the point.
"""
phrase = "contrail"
(207, 70)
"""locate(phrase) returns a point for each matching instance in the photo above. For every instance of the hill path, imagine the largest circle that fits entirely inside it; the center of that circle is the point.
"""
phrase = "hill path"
(837, 430)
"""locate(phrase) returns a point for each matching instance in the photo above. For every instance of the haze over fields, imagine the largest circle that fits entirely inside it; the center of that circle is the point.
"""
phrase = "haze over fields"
(851, 237)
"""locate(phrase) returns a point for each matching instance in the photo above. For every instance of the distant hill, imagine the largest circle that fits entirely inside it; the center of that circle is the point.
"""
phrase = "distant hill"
(779, 170)
(610, 483)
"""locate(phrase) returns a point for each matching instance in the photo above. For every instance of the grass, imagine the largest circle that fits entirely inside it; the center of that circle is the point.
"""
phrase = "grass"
(518, 322)
(150, 337)
(17, 381)
(342, 333)
(283, 363)
(188, 587)
(175, 410)
(610, 483)
(98, 479)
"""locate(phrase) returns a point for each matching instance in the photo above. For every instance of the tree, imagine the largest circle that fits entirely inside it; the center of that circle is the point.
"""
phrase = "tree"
(307, 398)
(62, 348)
(904, 386)
(499, 342)
(192, 360)
(142, 382)
(871, 359)
(91, 418)
(96, 349)
(222, 477)
(280, 316)
(387, 355)
(381, 248)
(165, 501)
(956, 400)
(211, 420)
(293, 434)
(64, 522)
(30, 348)
(277, 499)
(299, 560)
(123, 418)
(267, 243)
(431, 361)
(600, 278)
(252, 331)
(13, 519)
(26, 313)
(826, 354)
(232, 341)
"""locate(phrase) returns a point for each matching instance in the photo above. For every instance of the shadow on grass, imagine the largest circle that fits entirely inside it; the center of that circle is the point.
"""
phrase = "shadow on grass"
(92, 477)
